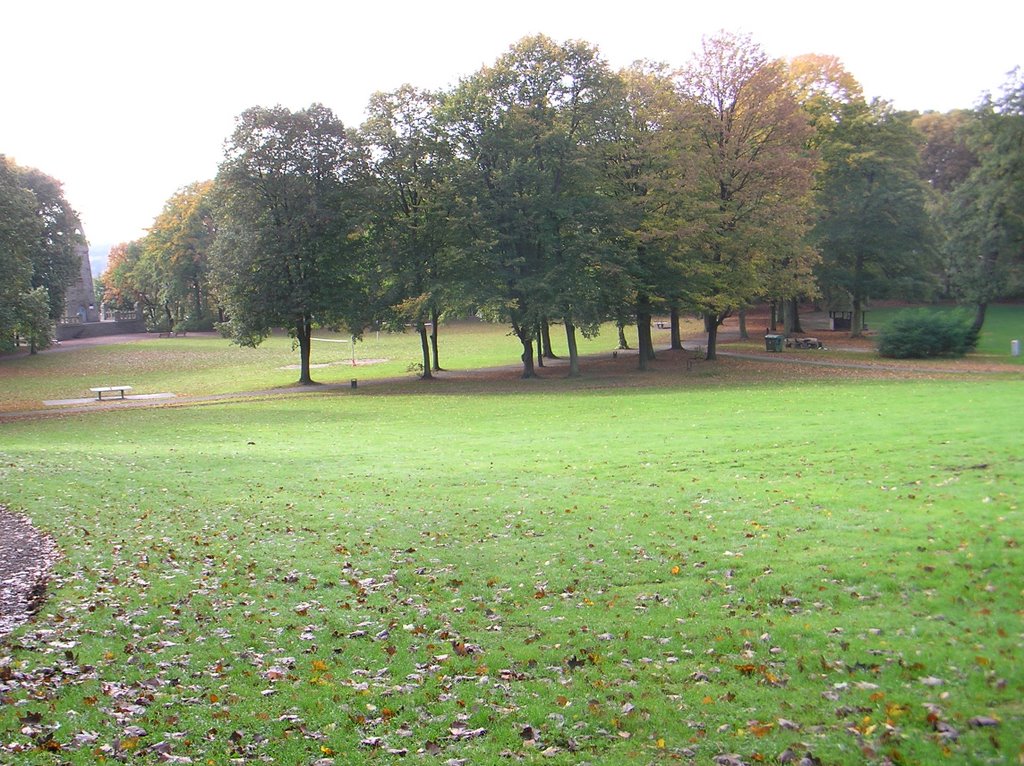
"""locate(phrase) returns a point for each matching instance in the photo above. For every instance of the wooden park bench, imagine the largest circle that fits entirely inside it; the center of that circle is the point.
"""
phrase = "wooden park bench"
(100, 390)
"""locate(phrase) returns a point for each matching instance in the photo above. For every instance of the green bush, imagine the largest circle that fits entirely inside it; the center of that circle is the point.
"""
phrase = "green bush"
(922, 334)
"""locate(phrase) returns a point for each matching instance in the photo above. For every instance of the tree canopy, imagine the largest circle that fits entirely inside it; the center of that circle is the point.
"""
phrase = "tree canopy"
(547, 189)
(289, 223)
(39, 236)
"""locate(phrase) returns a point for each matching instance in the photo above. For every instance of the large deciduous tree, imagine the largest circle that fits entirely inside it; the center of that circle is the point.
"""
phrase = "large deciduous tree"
(56, 263)
(19, 230)
(176, 252)
(652, 172)
(39, 234)
(411, 236)
(756, 173)
(528, 133)
(288, 227)
(874, 230)
(986, 212)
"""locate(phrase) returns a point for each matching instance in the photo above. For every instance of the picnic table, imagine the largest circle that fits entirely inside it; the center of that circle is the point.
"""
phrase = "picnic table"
(804, 343)
(100, 390)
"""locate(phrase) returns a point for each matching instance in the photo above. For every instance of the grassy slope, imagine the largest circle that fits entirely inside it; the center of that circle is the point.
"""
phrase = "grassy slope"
(625, 576)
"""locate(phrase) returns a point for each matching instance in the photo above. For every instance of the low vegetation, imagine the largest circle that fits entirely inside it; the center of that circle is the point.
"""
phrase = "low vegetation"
(923, 334)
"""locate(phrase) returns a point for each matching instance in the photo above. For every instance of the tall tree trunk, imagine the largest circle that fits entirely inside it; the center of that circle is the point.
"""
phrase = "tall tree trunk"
(545, 334)
(425, 348)
(787, 317)
(623, 343)
(574, 357)
(743, 324)
(711, 322)
(988, 269)
(304, 335)
(794, 307)
(857, 322)
(196, 291)
(773, 322)
(540, 346)
(644, 343)
(979, 318)
(527, 343)
(677, 341)
(435, 317)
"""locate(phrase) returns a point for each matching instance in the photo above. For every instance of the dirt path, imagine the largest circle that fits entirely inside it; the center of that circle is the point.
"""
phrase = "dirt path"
(26, 557)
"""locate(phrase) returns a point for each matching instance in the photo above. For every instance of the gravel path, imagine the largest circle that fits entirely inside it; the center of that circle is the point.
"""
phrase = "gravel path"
(26, 556)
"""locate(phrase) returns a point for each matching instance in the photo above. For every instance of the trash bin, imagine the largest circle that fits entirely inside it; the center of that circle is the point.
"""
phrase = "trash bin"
(773, 342)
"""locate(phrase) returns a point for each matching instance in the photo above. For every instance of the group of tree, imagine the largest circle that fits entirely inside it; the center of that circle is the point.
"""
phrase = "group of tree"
(39, 237)
(548, 189)
(166, 273)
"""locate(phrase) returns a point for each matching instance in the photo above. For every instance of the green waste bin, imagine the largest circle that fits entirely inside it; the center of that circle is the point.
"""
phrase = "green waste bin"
(773, 342)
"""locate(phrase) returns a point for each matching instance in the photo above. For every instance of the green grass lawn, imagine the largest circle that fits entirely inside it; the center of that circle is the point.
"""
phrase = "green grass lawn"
(549, 574)
(204, 365)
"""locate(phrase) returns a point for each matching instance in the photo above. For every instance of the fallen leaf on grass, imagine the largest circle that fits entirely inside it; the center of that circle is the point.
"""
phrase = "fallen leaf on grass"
(983, 720)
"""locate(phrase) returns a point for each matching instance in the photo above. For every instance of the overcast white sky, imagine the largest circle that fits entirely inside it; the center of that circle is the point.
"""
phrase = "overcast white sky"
(126, 102)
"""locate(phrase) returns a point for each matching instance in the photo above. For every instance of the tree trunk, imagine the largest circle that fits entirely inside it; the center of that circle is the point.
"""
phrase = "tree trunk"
(623, 344)
(197, 291)
(527, 343)
(774, 321)
(425, 348)
(794, 307)
(540, 346)
(979, 318)
(574, 357)
(711, 322)
(545, 334)
(857, 322)
(304, 335)
(677, 341)
(644, 343)
(743, 325)
(787, 317)
(435, 317)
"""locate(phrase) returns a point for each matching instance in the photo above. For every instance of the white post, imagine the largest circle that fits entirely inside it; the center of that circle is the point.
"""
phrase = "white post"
(1014, 348)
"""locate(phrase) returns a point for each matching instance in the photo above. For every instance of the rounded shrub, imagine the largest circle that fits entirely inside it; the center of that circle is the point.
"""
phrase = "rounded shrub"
(923, 334)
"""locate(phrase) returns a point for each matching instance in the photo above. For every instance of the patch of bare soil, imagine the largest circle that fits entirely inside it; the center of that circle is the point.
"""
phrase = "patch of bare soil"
(26, 558)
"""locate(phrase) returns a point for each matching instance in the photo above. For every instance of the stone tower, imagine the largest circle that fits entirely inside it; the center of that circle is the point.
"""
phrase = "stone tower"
(80, 298)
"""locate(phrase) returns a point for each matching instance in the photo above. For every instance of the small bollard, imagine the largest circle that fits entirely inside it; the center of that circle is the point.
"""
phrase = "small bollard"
(354, 382)
(1014, 348)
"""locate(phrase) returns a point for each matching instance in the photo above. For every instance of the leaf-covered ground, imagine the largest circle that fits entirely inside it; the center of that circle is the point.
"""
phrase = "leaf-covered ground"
(826, 572)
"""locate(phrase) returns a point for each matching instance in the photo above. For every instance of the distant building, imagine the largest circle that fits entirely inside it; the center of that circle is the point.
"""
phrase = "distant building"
(80, 299)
